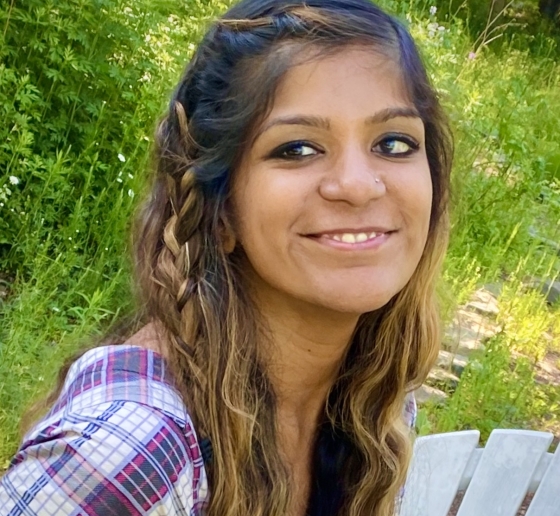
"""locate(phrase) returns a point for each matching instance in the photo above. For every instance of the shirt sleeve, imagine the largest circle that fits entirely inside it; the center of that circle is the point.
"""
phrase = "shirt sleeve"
(410, 413)
(410, 410)
(117, 458)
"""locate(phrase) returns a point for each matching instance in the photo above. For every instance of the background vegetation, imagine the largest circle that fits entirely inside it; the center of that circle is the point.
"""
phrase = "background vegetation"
(82, 83)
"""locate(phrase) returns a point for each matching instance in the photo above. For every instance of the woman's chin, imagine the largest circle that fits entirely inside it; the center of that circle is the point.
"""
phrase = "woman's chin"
(353, 305)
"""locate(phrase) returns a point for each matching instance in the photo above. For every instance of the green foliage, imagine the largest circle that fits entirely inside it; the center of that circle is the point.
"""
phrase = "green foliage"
(503, 104)
(499, 387)
(493, 393)
(81, 86)
(502, 24)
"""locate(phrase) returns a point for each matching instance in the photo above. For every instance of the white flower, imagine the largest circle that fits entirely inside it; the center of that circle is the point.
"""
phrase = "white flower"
(14, 180)
(433, 10)
(121, 158)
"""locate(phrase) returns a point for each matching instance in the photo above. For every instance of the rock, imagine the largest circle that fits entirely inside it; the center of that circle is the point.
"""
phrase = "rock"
(494, 288)
(452, 362)
(459, 364)
(484, 303)
(468, 332)
(548, 288)
(443, 379)
(445, 359)
(426, 394)
(469, 346)
(550, 243)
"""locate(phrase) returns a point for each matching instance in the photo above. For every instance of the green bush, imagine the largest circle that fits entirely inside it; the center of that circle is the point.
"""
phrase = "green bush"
(82, 83)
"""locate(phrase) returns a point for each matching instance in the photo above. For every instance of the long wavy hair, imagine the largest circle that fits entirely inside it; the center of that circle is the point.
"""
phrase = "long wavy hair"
(194, 286)
(191, 281)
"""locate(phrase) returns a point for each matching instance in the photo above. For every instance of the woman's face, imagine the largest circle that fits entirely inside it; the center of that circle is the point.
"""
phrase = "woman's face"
(332, 201)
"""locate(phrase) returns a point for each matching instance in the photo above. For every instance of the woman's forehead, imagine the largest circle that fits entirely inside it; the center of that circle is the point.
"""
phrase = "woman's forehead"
(351, 82)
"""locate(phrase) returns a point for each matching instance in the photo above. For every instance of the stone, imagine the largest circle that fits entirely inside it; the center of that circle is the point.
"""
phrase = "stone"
(551, 290)
(494, 288)
(484, 303)
(548, 288)
(468, 332)
(459, 364)
(550, 243)
(445, 359)
(426, 394)
(452, 362)
(443, 379)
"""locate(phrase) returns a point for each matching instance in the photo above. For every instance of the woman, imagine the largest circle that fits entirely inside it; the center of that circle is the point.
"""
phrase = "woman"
(286, 260)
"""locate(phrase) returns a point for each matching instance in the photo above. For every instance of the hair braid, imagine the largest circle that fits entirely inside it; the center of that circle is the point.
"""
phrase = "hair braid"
(175, 257)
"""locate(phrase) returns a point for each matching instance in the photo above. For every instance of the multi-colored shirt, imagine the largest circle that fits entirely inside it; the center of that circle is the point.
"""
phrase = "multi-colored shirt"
(118, 441)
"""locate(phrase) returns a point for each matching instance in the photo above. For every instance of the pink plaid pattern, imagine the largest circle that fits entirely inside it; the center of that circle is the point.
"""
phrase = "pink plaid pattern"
(118, 441)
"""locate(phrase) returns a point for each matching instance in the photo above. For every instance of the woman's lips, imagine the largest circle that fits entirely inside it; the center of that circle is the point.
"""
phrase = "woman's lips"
(352, 240)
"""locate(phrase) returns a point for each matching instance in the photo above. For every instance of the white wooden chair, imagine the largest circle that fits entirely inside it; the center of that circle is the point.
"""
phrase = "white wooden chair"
(496, 478)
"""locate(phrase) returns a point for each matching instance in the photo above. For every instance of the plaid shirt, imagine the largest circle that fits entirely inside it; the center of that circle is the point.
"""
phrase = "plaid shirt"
(118, 441)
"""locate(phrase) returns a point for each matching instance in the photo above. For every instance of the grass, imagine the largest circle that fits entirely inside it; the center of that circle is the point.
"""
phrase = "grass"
(79, 156)
(503, 104)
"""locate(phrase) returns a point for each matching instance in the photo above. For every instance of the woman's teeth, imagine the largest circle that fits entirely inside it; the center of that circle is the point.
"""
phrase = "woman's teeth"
(352, 238)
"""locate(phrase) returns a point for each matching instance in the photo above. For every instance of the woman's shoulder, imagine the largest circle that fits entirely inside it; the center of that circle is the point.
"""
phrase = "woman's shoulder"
(118, 424)
(120, 373)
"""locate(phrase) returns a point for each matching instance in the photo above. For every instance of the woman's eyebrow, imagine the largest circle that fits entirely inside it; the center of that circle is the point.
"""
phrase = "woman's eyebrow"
(393, 112)
(308, 120)
(323, 123)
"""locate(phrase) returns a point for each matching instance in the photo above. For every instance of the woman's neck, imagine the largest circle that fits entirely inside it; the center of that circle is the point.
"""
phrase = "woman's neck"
(304, 348)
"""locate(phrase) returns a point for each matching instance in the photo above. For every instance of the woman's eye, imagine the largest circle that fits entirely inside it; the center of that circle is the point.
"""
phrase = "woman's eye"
(294, 150)
(397, 145)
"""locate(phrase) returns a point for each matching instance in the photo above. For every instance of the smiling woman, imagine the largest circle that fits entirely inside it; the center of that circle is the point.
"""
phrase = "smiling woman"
(332, 200)
(286, 259)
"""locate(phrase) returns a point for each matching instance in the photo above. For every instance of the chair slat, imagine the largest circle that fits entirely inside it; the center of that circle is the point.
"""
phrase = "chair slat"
(504, 472)
(436, 470)
(547, 498)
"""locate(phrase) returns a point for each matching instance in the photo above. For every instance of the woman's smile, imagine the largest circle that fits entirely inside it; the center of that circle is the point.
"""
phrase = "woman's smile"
(352, 240)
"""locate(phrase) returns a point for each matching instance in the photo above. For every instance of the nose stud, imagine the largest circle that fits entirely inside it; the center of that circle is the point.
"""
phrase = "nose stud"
(377, 180)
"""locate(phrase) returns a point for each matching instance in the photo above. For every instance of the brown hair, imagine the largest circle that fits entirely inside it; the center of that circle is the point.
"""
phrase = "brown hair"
(194, 288)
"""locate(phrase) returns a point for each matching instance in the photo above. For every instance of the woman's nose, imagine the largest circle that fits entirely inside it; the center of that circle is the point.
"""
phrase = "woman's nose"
(353, 179)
